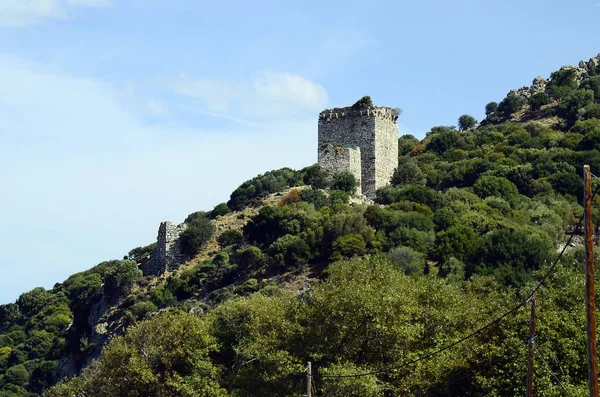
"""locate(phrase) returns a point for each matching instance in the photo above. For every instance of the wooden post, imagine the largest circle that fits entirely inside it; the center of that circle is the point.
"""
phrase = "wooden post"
(589, 285)
(531, 348)
(309, 380)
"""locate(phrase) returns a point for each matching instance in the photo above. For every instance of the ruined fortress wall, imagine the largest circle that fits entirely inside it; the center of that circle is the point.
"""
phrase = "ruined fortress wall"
(335, 159)
(386, 151)
(374, 131)
(168, 253)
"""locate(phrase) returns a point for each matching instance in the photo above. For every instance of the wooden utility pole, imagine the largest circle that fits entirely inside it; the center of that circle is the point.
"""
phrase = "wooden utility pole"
(531, 348)
(309, 380)
(589, 284)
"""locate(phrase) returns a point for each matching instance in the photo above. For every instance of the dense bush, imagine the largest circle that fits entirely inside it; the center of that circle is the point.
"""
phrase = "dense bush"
(199, 230)
(345, 182)
(262, 185)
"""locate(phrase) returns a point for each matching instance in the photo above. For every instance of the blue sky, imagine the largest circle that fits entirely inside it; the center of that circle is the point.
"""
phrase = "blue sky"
(118, 114)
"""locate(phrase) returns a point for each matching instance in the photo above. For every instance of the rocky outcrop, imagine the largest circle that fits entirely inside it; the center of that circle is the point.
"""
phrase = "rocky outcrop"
(582, 71)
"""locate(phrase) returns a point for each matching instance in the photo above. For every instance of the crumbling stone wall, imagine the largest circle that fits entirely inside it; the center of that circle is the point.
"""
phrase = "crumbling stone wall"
(168, 253)
(374, 130)
(335, 159)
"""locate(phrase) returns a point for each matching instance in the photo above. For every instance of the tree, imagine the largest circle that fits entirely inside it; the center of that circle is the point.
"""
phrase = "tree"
(466, 122)
(408, 173)
(408, 260)
(538, 100)
(490, 109)
(495, 186)
(348, 246)
(562, 83)
(219, 210)
(511, 104)
(198, 232)
(230, 237)
(316, 177)
(344, 181)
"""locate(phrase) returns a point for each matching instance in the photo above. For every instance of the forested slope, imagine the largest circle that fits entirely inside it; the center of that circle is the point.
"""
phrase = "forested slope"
(473, 218)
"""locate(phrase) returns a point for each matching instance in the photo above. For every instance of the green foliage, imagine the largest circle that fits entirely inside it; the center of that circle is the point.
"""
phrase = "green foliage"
(408, 260)
(316, 177)
(122, 276)
(348, 246)
(315, 197)
(511, 104)
(487, 186)
(17, 375)
(406, 143)
(219, 210)
(166, 356)
(262, 185)
(250, 257)
(162, 296)
(141, 252)
(338, 197)
(290, 251)
(538, 100)
(511, 253)
(466, 122)
(344, 181)
(198, 232)
(491, 108)
(442, 139)
(230, 237)
(562, 83)
(408, 173)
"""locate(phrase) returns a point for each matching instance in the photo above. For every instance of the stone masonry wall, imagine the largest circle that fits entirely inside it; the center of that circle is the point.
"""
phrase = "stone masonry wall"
(168, 253)
(374, 130)
(386, 152)
(334, 159)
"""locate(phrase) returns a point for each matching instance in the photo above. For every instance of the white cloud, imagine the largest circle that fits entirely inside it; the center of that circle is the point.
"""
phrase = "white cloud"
(267, 94)
(17, 13)
(84, 179)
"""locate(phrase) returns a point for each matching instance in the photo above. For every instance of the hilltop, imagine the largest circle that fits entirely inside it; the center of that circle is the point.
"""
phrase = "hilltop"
(297, 267)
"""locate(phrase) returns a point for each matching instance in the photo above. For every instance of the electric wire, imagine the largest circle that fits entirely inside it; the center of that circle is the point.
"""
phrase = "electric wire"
(497, 320)
(551, 371)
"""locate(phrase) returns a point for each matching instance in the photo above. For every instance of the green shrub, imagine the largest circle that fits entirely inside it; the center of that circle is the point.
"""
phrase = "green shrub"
(141, 309)
(511, 104)
(453, 270)
(338, 197)
(538, 100)
(162, 296)
(221, 259)
(466, 122)
(219, 210)
(230, 237)
(487, 186)
(198, 232)
(141, 252)
(316, 177)
(348, 246)
(250, 257)
(408, 260)
(262, 185)
(344, 181)
(290, 251)
(408, 173)
(315, 197)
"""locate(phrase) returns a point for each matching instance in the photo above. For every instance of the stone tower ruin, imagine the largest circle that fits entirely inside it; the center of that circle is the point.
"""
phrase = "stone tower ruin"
(361, 139)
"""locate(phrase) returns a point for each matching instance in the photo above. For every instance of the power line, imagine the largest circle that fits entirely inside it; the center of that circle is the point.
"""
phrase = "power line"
(551, 372)
(479, 330)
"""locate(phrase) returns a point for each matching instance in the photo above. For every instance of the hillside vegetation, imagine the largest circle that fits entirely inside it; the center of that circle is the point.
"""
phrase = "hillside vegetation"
(294, 269)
